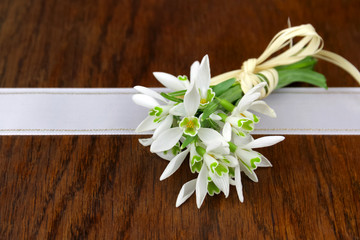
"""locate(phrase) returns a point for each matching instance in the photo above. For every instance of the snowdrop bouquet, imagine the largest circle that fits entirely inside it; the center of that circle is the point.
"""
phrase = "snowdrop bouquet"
(211, 119)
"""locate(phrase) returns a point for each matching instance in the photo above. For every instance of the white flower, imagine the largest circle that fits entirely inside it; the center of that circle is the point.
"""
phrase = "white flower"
(158, 119)
(189, 125)
(200, 77)
(158, 112)
(210, 156)
(241, 121)
(249, 159)
(170, 81)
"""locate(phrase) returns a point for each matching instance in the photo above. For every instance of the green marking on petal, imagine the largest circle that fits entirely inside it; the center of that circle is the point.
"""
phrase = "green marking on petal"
(225, 160)
(240, 133)
(190, 131)
(182, 77)
(209, 97)
(221, 169)
(195, 159)
(256, 119)
(231, 172)
(213, 166)
(157, 120)
(252, 162)
(246, 124)
(176, 149)
(196, 167)
(156, 112)
(212, 188)
(190, 125)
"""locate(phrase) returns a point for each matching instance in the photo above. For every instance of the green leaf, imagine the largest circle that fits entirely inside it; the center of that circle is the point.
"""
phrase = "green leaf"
(306, 63)
(232, 94)
(187, 141)
(171, 98)
(177, 93)
(222, 87)
(226, 104)
(214, 125)
(287, 77)
(209, 109)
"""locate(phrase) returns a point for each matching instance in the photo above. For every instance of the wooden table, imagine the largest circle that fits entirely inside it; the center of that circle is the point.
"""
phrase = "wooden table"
(107, 187)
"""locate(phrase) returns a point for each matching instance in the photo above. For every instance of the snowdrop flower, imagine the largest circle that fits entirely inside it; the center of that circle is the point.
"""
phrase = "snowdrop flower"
(210, 156)
(158, 119)
(203, 78)
(241, 121)
(157, 112)
(249, 159)
(189, 125)
(200, 77)
(171, 82)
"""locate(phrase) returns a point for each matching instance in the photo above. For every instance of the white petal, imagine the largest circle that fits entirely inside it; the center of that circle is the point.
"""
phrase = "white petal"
(146, 141)
(264, 162)
(169, 81)
(249, 157)
(257, 88)
(238, 184)
(147, 124)
(203, 78)
(245, 102)
(174, 164)
(164, 125)
(250, 174)
(233, 161)
(186, 191)
(145, 101)
(150, 92)
(221, 182)
(264, 142)
(201, 186)
(178, 110)
(226, 132)
(241, 141)
(166, 140)
(215, 117)
(209, 136)
(213, 140)
(168, 156)
(191, 101)
(262, 107)
(194, 71)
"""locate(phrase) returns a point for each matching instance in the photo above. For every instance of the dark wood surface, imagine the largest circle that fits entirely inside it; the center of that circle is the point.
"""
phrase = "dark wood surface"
(107, 187)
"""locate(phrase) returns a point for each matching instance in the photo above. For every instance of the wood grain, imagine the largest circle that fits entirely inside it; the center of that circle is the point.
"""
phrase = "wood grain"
(107, 187)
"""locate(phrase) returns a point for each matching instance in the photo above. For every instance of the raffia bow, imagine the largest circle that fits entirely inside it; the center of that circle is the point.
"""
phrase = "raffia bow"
(256, 70)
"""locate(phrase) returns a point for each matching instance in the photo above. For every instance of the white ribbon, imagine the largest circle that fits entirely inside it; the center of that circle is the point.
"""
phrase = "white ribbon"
(44, 111)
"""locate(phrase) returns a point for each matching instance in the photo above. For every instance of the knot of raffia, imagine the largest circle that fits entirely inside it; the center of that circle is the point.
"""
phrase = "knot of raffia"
(249, 76)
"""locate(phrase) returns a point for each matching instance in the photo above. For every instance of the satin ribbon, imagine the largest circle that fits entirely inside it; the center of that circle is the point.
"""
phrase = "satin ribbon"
(64, 111)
